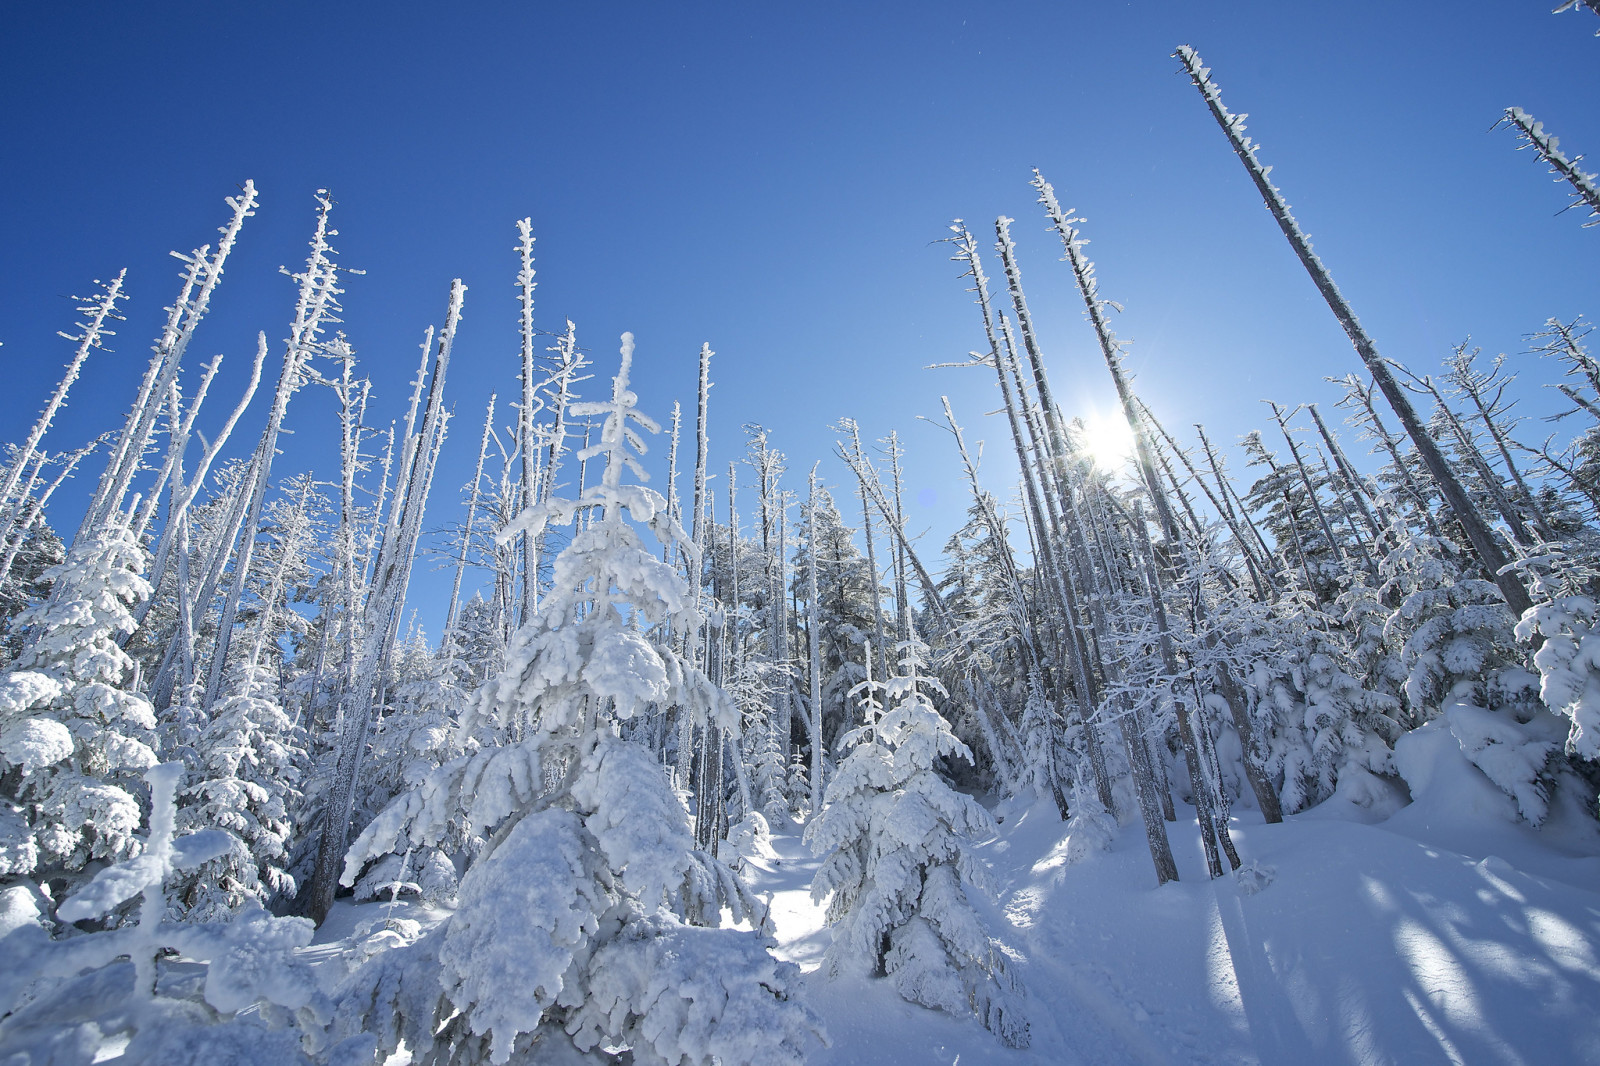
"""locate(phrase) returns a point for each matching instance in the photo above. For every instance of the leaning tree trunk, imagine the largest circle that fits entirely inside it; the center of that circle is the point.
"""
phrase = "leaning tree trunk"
(1585, 191)
(1472, 523)
(93, 330)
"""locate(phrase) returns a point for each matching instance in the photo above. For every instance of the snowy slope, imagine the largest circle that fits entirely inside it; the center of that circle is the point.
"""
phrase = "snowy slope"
(1369, 946)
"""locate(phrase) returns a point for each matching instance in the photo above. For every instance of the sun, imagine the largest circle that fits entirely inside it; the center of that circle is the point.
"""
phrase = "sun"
(1106, 438)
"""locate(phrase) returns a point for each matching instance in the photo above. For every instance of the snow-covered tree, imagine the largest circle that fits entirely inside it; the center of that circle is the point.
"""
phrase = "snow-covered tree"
(39, 550)
(584, 922)
(250, 760)
(74, 735)
(899, 864)
(1462, 660)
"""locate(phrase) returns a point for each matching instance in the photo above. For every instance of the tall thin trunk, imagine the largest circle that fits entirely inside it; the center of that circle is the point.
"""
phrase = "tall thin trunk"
(93, 332)
(183, 495)
(525, 412)
(1362, 394)
(472, 514)
(814, 649)
(318, 300)
(1352, 481)
(200, 280)
(1281, 418)
(1472, 523)
(390, 577)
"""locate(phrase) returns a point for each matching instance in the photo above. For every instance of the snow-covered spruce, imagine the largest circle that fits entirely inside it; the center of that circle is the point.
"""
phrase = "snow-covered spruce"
(73, 738)
(251, 759)
(1463, 663)
(584, 923)
(899, 865)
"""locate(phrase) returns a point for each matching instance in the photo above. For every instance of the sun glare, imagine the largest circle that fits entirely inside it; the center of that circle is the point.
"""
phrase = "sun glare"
(1108, 439)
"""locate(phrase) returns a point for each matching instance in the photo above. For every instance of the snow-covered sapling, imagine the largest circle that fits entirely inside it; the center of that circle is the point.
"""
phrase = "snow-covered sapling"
(899, 864)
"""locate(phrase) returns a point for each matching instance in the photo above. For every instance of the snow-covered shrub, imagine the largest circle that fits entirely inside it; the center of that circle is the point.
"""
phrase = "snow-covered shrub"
(583, 923)
(73, 740)
(898, 863)
(66, 1002)
(1459, 648)
(249, 761)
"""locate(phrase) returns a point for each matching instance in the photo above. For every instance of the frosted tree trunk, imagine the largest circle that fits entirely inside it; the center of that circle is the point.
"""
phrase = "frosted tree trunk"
(1211, 832)
(1472, 523)
(91, 336)
(162, 687)
(1353, 484)
(525, 412)
(1362, 394)
(1533, 134)
(902, 607)
(565, 376)
(1236, 507)
(1486, 391)
(814, 648)
(318, 300)
(674, 508)
(1219, 504)
(200, 281)
(183, 495)
(472, 515)
(390, 576)
(1279, 417)
(1027, 640)
(22, 525)
(1490, 480)
(1057, 523)
(859, 465)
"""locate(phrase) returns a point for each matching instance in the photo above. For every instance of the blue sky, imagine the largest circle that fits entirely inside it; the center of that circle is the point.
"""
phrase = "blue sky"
(772, 179)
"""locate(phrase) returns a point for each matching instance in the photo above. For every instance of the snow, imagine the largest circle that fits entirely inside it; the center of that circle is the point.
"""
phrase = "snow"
(1339, 942)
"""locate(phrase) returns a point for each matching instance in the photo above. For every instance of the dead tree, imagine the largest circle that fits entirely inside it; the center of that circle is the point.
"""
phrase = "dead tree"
(1479, 535)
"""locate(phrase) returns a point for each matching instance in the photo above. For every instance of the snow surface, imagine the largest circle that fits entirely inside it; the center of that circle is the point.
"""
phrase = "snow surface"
(1444, 933)
(1364, 946)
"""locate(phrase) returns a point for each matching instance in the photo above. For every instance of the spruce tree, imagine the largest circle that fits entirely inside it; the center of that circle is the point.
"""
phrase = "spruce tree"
(898, 864)
(584, 922)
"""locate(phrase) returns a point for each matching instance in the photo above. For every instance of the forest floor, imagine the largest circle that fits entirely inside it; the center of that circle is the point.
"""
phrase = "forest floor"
(1437, 931)
(1371, 944)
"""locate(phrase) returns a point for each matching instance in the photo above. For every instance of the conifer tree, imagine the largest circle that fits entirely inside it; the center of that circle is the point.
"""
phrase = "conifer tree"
(897, 862)
(75, 735)
(589, 888)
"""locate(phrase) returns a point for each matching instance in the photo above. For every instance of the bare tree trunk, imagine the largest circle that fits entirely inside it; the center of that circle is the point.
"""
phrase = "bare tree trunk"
(1362, 394)
(866, 524)
(183, 319)
(814, 648)
(318, 299)
(1279, 417)
(525, 412)
(94, 330)
(390, 577)
(472, 514)
(183, 495)
(1477, 530)
(1532, 133)
(1352, 481)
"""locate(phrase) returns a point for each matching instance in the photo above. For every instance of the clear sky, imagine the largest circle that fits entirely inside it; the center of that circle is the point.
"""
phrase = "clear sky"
(771, 178)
